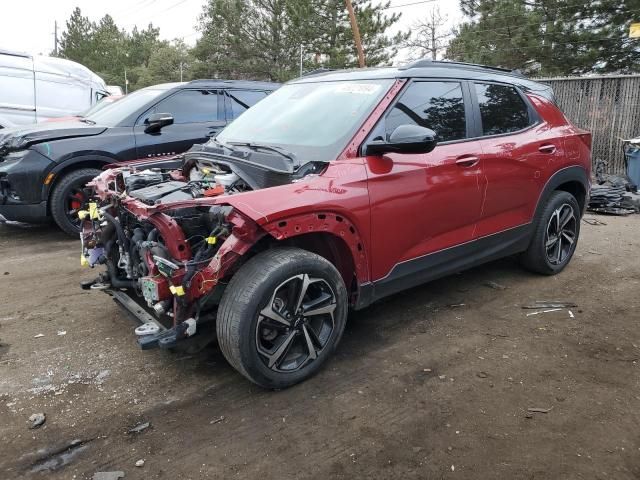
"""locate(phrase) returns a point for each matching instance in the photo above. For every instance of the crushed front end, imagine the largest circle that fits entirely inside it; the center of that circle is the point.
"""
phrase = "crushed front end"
(168, 245)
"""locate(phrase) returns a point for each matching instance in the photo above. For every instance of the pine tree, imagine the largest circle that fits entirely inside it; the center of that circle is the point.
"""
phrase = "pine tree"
(75, 42)
(549, 37)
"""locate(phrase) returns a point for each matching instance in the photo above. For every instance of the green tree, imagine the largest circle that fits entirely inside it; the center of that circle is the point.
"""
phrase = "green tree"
(75, 42)
(261, 39)
(549, 37)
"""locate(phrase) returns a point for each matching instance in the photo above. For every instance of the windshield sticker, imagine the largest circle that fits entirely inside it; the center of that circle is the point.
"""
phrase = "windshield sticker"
(359, 88)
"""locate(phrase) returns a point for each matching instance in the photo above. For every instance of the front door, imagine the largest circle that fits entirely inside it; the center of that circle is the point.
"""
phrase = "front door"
(198, 114)
(424, 203)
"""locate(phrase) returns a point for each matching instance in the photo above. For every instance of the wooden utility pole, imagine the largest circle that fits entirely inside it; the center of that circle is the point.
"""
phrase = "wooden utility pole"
(356, 32)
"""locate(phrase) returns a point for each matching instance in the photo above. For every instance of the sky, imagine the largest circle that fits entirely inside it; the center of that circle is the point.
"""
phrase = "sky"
(28, 25)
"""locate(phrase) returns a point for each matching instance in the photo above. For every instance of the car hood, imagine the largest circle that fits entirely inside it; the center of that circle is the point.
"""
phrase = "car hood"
(19, 138)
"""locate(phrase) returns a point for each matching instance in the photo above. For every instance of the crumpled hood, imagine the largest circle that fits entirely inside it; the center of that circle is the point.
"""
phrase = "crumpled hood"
(19, 138)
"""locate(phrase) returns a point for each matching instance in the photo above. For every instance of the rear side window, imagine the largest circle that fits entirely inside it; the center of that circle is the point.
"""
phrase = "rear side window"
(241, 100)
(189, 106)
(435, 105)
(502, 109)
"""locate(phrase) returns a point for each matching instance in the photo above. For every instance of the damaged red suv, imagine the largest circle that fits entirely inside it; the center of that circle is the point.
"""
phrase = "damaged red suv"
(338, 189)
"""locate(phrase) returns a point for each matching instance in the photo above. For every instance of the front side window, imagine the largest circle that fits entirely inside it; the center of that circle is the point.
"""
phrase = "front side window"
(243, 99)
(435, 105)
(502, 109)
(189, 106)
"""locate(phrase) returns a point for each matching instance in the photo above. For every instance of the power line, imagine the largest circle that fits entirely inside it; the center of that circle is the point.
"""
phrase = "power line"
(408, 4)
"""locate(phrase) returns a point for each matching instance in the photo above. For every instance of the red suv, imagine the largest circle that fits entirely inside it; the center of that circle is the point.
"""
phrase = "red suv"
(337, 190)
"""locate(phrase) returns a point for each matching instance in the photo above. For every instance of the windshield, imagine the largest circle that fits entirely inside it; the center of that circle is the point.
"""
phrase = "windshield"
(111, 115)
(99, 106)
(314, 121)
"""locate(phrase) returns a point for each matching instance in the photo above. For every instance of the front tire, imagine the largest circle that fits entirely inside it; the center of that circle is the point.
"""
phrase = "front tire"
(68, 197)
(281, 316)
(555, 237)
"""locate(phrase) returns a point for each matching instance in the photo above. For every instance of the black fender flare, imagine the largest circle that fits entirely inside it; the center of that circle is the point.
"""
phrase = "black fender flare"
(102, 160)
(573, 173)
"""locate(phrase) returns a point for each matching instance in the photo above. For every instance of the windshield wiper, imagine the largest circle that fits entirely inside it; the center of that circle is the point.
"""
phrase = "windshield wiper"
(86, 120)
(271, 148)
(222, 144)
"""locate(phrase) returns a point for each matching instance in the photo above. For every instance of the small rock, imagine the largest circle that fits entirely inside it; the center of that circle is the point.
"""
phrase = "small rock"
(482, 374)
(442, 377)
(560, 399)
(40, 335)
(37, 419)
(62, 332)
(416, 449)
(426, 370)
(140, 463)
(360, 392)
(6, 273)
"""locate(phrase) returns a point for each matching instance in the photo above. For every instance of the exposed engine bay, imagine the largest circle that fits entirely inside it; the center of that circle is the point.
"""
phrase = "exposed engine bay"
(167, 240)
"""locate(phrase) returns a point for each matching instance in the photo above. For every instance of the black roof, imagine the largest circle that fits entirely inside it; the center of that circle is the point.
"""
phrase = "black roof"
(431, 69)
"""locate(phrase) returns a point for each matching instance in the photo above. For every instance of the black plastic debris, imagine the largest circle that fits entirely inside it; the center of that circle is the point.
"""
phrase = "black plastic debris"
(613, 194)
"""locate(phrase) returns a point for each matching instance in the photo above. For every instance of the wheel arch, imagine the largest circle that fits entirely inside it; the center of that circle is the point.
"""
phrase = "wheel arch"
(573, 180)
(330, 235)
(75, 163)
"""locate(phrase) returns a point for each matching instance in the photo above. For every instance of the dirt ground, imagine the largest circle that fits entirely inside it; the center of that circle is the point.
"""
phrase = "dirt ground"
(435, 382)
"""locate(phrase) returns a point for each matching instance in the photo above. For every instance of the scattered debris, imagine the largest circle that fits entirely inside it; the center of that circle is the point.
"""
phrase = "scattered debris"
(52, 460)
(140, 463)
(482, 374)
(102, 375)
(108, 475)
(37, 419)
(427, 370)
(456, 305)
(140, 427)
(62, 332)
(40, 335)
(539, 410)
(593, 252)
(495, 285)
(544, 304)
(216, 420)
(544, 311)
(592, 221)
(571, 314)
(442, 377)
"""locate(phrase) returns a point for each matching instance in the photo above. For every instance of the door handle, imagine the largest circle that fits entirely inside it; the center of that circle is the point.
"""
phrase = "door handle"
(547, 148)
(467, 161)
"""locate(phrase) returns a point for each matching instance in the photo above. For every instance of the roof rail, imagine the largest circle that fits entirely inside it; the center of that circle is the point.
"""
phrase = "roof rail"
(443, 63)
(317, 71)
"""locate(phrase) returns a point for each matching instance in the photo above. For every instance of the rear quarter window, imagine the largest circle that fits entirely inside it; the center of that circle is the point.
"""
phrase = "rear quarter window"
(502, 109)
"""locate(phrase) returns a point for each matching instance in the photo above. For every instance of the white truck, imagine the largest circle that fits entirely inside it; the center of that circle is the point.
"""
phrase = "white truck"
(34, 88)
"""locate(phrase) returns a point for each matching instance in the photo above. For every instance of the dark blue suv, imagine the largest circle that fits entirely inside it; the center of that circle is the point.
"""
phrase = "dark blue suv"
(44, 167)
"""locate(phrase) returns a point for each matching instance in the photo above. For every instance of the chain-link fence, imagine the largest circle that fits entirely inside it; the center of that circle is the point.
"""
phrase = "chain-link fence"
(607, 106)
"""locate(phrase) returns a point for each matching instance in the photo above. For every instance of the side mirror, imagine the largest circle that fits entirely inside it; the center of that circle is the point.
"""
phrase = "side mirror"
(405, 139)
(156, 121)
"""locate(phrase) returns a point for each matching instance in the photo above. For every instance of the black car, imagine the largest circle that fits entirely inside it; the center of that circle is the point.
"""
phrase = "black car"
(44, 167)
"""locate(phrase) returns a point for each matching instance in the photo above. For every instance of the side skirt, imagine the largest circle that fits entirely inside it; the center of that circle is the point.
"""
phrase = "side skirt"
(439, 264)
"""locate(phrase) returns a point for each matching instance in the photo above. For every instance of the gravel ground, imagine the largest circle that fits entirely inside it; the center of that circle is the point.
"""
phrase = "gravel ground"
(436, 382)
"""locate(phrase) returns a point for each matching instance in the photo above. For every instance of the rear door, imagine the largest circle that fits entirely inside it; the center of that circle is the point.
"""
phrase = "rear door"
(198, 114)
(516, 147)
(424, 203)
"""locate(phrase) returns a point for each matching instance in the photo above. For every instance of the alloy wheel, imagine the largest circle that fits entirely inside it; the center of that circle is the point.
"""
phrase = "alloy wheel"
(297, 323)
(76, 200)
(561, 234)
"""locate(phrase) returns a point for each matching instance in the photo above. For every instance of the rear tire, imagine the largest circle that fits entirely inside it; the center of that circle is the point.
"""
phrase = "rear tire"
(555, 237)
(281, 316)
(68, 198)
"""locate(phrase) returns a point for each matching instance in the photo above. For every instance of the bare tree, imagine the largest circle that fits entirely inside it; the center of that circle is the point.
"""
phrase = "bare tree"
(428, 36)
